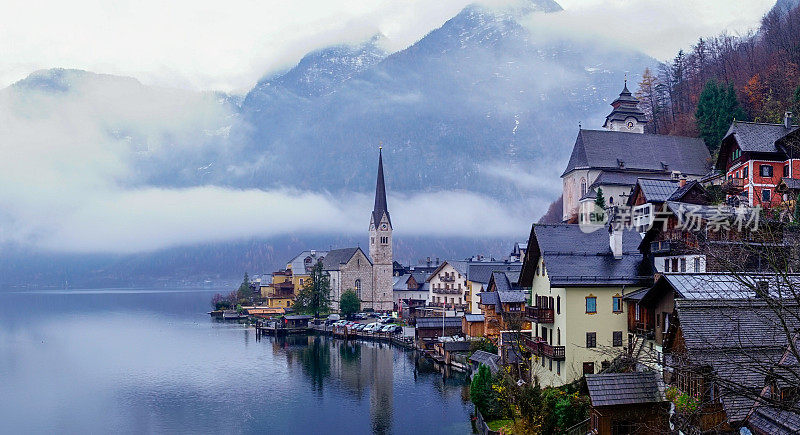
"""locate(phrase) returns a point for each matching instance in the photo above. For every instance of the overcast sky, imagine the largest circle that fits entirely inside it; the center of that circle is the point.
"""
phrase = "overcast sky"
(229, 45)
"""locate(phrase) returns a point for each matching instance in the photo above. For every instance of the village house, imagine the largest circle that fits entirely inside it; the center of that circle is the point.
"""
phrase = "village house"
(725, 340)
(279, 292)
(649, 197)
(577, 281)
(479, 273)
(410, 292)
(503, 306)
(447, 286)
(756, 157)
(299, 267)
(614, 158)
(627, 403)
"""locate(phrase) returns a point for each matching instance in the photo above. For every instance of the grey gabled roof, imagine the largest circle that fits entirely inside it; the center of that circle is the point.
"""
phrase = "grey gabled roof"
(741, 340)
(658, 190)
(482, 271)
(436, 322)
(602, 149)
(611, 389)
(727, 286)
(337, 257)
(512, 297)
(573, 257)
(489, 298)
(490, 360)
(474, 317)
(791, 183)
(757, 137)
(298, 262)
(619, 178)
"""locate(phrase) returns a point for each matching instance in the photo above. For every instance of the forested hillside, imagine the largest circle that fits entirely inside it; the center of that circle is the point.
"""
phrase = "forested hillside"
(755, 76)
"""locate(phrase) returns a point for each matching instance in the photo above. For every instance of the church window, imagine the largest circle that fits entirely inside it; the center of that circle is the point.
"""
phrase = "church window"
(358, 288)
(583, 187)
(372, 240)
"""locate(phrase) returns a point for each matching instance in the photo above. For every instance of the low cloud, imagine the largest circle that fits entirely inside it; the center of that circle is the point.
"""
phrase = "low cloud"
(92, 164)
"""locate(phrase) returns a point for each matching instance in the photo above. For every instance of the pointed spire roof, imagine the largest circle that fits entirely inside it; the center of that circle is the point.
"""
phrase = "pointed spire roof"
(380, 194)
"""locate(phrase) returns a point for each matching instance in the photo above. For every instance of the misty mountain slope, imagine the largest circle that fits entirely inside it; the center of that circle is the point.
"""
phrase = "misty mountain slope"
(476, 91)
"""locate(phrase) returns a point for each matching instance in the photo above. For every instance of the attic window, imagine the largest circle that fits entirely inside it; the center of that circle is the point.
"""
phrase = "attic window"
(664, 166)
(620, 164)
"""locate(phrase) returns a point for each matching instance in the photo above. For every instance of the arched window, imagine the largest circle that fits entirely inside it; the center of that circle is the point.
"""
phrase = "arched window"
(583, 187)
(358, 288)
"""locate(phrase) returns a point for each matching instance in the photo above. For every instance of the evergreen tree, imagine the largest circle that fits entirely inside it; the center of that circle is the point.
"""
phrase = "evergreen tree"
(314, 297)
(245, 292)
(716, 109)
(480, 392)
(349, 303)
(600, 201)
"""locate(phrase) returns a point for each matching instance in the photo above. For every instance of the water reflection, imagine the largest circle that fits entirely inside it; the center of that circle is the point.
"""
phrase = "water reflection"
(155, 363)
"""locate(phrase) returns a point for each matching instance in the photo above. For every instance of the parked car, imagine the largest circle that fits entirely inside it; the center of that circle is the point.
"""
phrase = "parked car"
(373, 314)
(360, 316)
(371, 327)
(384, 319)
(360, 327)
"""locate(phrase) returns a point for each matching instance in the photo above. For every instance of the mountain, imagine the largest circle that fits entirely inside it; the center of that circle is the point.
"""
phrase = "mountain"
(490, 102)
(481, 89)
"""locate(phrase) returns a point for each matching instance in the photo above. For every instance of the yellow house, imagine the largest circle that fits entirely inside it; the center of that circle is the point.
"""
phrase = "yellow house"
(279, 302)
(300, 266)
(577, 281)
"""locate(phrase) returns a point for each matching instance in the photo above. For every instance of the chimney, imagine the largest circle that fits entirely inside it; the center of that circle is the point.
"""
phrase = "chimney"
(682, 182)
(787, 120)
(437, 261)
(615, 242)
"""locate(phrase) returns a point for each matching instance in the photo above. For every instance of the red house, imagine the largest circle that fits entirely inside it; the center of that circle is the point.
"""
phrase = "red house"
(755, 157)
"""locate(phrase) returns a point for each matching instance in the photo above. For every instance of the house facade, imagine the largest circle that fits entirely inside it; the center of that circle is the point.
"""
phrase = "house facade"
(755, 157)
(448, 286)
(577, 281)
(350, 269)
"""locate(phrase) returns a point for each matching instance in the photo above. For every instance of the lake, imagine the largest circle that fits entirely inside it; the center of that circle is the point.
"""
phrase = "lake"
(152, 361)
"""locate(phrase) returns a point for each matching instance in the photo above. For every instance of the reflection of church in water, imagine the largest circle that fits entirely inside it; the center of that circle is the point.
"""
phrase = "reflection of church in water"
(367, 366)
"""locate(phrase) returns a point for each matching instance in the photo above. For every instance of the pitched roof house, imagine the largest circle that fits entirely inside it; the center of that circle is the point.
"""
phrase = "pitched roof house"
(755, 157)
(577, 282)
(627, 403)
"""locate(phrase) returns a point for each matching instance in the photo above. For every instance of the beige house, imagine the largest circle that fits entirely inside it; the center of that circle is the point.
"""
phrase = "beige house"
(577, 282)
(448, 285)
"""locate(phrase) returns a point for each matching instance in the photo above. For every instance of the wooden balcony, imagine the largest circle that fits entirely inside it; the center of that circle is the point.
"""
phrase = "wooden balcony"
(539, 314)
(540, 347)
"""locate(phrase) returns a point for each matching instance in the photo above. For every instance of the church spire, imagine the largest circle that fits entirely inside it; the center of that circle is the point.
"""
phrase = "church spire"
(380, 194)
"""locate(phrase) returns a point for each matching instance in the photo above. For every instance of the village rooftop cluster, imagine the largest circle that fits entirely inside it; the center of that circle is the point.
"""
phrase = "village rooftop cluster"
(687, 295)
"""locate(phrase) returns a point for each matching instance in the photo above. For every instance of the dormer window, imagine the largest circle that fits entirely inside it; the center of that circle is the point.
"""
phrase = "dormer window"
(620, 164)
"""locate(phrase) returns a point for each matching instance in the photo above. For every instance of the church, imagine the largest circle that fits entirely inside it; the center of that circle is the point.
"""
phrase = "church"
(370, 277)
(612, 159)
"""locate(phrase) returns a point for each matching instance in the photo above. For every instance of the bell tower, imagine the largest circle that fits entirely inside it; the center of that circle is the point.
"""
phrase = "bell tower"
(626, 115)
(380, 245)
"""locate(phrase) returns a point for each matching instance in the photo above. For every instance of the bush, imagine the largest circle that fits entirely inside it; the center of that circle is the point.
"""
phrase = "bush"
(484, 345)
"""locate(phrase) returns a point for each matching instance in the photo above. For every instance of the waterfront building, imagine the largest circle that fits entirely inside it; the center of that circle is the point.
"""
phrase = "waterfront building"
(577, 281)
(447, 286)
(614, 158)
(300, 266)
(503, 306)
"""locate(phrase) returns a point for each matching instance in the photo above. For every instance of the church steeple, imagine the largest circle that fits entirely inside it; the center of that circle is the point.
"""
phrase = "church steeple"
(380, 194)
(626, 115)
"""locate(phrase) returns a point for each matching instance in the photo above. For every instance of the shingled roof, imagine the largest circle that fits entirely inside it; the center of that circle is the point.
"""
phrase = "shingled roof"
(752, 137)
(601, 149)
(337, 257)
(611, 389)
(573, 257)
(490, 360)
(658, 190)
(482, 271)
(740, 340)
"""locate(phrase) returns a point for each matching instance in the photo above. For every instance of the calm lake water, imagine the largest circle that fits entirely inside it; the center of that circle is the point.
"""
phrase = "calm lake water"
(151, 361)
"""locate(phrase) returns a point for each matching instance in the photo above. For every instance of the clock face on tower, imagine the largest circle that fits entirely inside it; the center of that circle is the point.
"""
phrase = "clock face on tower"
(630, 125)
(383, 227)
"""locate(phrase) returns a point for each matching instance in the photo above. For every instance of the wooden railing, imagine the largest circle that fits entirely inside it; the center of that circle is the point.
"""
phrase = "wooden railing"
(539, 314)
(540, 347)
